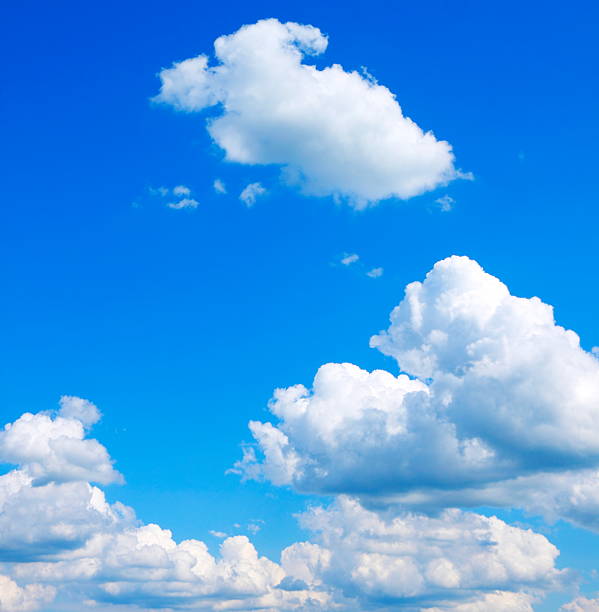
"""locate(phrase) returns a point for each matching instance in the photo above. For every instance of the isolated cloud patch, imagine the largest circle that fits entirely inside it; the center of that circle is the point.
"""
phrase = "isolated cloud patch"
(500, 409)
(333, 132)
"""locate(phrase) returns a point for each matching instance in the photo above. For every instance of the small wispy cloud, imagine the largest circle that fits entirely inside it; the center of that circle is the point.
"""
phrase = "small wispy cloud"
(375, 272)
(181, 190)
(445, 202)
(219, 186)
(250, 194)
(218, 534)
(158, 191)
(349, 258)
(184, 203)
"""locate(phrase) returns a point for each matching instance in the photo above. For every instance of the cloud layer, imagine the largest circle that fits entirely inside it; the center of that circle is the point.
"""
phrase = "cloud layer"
(61, 539)
(333, 132)
(501, 409)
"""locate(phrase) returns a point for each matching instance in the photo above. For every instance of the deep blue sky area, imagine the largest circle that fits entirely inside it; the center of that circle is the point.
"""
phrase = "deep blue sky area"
(179, 324)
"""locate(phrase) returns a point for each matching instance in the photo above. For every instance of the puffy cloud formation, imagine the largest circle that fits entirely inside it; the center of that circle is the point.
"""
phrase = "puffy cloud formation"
(60, 538)
(581, 604)
(54, 448)
(14, 598)
(414, 558)
(501, 409)
(334, 132)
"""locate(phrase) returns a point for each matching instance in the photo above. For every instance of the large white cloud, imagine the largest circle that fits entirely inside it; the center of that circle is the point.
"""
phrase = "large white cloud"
(415, 561)
(333, 132)
(503, 404)
(60, 537)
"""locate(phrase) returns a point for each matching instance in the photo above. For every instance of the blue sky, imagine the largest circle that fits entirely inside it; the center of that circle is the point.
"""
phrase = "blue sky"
(179, 324)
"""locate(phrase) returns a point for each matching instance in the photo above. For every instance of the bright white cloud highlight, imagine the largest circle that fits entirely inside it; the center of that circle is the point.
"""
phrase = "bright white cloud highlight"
(333, 132)
(501, 397)
(251, 193)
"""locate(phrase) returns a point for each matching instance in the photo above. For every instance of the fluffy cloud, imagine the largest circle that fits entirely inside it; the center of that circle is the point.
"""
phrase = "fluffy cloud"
(349, 258)
(251, 193)
(219, 186)
(501, 397)
(375, 272)
(581, 604)
(333, 132)
(54, 447)
(412, 558)
(14, 598)
(62, 538)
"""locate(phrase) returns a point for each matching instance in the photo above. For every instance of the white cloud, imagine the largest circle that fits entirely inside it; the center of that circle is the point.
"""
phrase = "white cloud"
(184, 203)
(349, 258)
(65, 538)
(445, 202)
(219, 186)
(581, 604)
(249, 195)
(158, 191)
(502, 398)
(14, 598)
(181, 190)
(218, 534)
(333, 132)
(54, 448)
(375, 273)
(407, 558)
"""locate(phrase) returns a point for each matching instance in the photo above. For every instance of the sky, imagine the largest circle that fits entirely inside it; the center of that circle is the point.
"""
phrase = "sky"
(276, 316)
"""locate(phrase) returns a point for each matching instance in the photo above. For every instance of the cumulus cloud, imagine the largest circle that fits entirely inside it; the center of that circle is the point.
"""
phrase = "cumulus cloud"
(333, 132)
(251, 193)
(414, 558)
(63, 539)
(14, 598)
(54, 448)
(581, 604)
(500, 396)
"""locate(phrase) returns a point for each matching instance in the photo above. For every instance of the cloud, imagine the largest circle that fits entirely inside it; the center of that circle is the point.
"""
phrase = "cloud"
(14, 598)
(219, 186)
(375, 273)
(581, 604)
(333, 132)
(445, 202)
(64, 540)
(181, 190)
(499, 395)
(349, 258)
(184, 203)
(54, 448)
(250, 194)
(411, 558)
